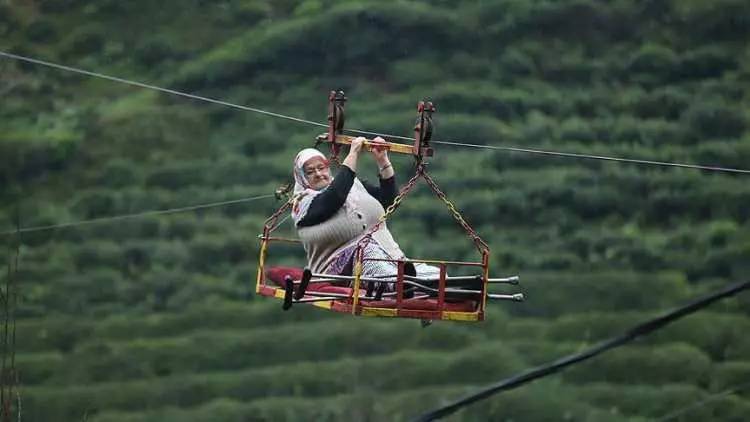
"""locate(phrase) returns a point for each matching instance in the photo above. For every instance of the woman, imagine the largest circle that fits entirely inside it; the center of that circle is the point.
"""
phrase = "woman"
(333, 214)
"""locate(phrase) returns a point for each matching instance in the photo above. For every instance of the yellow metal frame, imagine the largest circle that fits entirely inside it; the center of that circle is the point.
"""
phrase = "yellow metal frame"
(261, 264)
(355, 289)
(372, 311)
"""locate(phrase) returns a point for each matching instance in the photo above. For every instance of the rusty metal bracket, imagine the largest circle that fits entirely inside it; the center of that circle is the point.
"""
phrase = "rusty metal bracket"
(423, 130)
(336, 118)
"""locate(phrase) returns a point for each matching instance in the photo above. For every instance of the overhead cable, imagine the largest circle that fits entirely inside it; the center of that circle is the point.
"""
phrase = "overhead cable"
(156, 88)
(552, 367)
(135, 215)
(310, 122)
(567, 154)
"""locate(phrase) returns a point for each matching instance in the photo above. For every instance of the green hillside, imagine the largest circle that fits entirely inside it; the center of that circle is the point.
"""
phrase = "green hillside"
(156, 319)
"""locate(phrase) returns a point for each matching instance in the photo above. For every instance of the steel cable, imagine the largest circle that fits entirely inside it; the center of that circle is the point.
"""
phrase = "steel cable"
(364, 132)
(135, 215)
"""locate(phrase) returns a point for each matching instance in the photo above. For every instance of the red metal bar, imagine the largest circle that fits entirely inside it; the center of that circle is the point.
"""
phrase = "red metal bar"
(358, 261)
(400, 285)
(441, 289)
(485, 276)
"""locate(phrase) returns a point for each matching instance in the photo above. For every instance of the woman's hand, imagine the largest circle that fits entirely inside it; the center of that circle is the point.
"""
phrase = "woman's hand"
(356, 145)
(354, 149)
(380, 153)
(385, 169)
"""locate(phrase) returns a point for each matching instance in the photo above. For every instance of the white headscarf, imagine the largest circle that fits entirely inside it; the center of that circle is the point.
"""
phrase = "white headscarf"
(303, 192)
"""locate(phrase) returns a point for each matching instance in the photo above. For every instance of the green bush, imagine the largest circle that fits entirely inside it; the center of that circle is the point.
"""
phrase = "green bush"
(654, 133)
(516, 62)
(155, 50)
(474, 129)
(405, 71)
(119, 173)
(7, 16)
(502, 103)
(37, 368)
(288, 380)
(720, 336)
(592, 326)
(41, 30)
(675, 363)
(26, 156)
(707, 62)
(53, 334)
(730, 375)
(96, 203)
(667, 102)
(723, 20)
(644, 400)
(54, 6)
(724, 153)
(652, 63)
(179, 175)
(311, 40)
(714, 119)
(170, 254)
(572, 20)
(137, 257)
(561, 292)
(84, 41)
(97, 254)
(561, 403)
(180, 227)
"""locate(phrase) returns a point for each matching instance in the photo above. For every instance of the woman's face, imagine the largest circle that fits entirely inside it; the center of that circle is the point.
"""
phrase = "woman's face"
(317, 173)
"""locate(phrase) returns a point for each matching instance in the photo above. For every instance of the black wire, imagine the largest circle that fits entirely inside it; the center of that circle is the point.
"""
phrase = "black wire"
(550, 368)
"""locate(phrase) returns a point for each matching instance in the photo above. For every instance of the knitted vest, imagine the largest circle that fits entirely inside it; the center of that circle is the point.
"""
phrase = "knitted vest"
(360, 212)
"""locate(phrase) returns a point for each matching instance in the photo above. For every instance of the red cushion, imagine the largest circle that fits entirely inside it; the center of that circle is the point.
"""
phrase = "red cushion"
(335, 289)
(278, 274)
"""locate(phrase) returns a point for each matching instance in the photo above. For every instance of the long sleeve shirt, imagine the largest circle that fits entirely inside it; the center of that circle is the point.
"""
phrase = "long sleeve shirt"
(325, 205)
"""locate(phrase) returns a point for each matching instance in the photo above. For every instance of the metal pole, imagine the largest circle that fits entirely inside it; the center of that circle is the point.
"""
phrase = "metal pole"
(333, 277)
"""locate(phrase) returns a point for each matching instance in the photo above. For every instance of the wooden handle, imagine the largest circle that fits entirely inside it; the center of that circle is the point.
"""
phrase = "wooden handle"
(369, 144)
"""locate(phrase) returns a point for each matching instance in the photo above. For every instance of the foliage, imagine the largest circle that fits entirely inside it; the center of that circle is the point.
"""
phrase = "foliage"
(155, 317)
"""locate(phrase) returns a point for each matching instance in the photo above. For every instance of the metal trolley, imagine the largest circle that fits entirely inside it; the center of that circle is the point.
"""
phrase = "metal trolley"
(456, 298)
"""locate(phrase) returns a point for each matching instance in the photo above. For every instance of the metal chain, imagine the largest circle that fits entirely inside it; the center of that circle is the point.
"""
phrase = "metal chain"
(391, 208)
(277, 225)
(401, 195)
(480, 244)
(271, 221)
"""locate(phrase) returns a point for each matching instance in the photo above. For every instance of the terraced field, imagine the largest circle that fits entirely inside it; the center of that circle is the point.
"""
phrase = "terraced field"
(155, 318)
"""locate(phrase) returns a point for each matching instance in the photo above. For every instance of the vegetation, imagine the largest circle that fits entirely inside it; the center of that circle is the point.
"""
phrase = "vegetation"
(156, 319)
